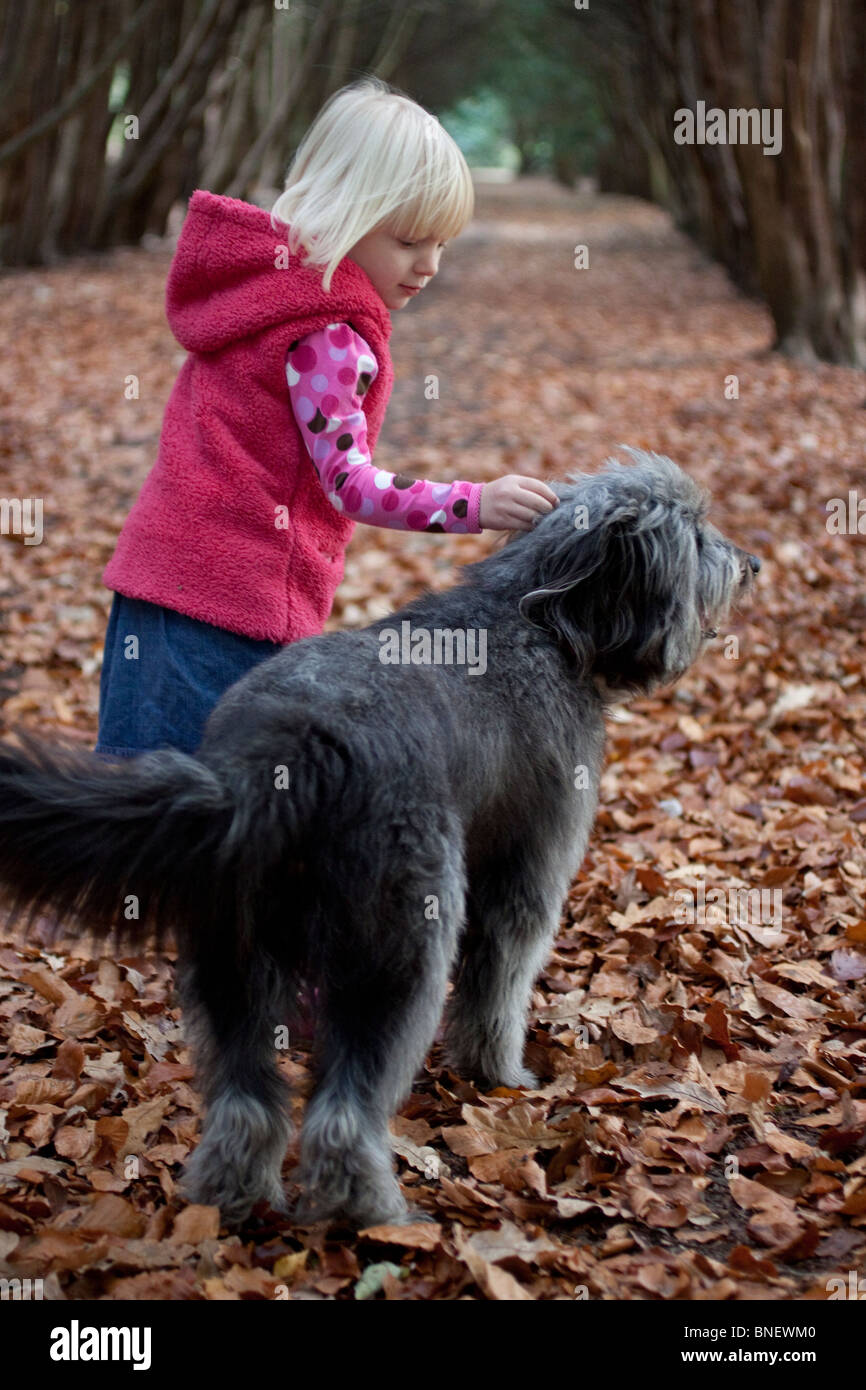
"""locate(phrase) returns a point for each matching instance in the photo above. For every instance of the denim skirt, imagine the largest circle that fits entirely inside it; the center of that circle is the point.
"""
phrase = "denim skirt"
(162, 674)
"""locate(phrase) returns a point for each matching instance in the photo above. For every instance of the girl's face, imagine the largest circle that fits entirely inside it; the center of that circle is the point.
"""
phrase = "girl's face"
(398, 269)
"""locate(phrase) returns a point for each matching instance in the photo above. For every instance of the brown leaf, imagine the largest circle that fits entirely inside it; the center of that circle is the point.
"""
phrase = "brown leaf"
(195, 1224)
(114, 1215)
(495, 1283)
(417, 1235)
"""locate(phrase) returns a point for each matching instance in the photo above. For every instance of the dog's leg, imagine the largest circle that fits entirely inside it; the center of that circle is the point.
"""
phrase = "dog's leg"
(386, 975)
(246, 1126)
(513, 911)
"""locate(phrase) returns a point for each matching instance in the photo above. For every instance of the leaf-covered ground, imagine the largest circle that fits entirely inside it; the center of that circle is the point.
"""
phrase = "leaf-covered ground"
(701, 1130)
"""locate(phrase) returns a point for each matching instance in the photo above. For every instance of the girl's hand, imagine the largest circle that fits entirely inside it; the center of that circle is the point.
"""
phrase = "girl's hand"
(515, 503)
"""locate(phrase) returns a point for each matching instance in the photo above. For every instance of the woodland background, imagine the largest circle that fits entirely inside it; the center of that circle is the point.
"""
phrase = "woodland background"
(701, 1128)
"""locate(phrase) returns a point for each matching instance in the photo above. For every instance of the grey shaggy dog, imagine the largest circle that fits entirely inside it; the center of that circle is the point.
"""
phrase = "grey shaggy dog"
(371, 830)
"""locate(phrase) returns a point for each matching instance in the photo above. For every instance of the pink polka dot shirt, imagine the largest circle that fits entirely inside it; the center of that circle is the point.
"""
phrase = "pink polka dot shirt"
(328, 373)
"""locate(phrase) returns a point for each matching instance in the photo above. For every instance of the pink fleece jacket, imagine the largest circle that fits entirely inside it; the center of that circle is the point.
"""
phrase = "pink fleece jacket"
(232, 525)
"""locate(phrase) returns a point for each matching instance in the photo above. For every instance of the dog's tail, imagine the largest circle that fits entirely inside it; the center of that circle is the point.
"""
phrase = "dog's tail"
(127, 850)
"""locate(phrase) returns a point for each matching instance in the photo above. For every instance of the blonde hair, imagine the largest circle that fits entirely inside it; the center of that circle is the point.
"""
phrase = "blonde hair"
(372, 157)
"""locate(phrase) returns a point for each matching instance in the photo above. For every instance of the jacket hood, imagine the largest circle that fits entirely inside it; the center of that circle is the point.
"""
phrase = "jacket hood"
(225, 282)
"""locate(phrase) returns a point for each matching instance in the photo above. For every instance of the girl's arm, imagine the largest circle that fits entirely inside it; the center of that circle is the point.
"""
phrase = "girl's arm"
(328, 373)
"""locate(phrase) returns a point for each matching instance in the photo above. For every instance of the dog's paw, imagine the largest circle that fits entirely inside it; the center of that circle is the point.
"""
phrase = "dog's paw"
(278, 1203)
(305, 1211)
(519, 1079)
(411, 1215)
(524, 1077)
(488, 1079)
(487, 1074)
(200, 1188)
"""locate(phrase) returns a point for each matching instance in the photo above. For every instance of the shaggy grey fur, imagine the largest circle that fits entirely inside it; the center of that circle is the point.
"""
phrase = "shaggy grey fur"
(432, 822)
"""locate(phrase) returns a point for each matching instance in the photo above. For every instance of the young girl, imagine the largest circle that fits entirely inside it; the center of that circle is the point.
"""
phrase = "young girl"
(235, 545)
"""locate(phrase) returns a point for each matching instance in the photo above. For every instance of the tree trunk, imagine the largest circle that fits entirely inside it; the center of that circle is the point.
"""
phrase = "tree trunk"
(790, 225)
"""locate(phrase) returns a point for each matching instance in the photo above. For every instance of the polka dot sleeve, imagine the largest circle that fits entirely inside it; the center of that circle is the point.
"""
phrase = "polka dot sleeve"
(328, 373)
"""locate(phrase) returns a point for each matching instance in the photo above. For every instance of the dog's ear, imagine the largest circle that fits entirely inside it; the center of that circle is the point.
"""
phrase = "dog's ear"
(618, 580)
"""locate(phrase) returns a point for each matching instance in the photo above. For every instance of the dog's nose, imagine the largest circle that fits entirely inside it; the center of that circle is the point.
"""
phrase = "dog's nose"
(754, 564)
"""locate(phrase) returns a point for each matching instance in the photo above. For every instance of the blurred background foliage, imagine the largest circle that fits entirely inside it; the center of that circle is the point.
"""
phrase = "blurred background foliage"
(113, 111)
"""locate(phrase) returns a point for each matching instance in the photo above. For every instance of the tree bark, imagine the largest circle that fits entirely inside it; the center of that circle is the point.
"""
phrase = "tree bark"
(791, 225)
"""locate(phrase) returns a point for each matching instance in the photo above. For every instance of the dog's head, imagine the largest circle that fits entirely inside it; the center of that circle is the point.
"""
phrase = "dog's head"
(628, 573)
